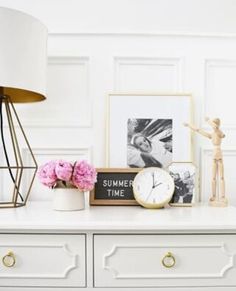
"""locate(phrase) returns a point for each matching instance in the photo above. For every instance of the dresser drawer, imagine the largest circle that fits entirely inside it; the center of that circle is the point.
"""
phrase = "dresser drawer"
(42, 260)
(164, 260)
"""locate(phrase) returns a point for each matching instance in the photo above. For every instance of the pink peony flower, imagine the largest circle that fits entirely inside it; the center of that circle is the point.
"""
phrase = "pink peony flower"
(84, 176)
(63, 174)
(63, 170)
(47, 175)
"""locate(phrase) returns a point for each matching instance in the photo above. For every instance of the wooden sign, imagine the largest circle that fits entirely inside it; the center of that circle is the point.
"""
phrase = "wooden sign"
(114, 187)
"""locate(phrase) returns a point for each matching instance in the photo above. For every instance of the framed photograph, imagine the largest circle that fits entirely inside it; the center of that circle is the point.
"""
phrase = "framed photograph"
(114, 187)
(184, 175)
(147, 130)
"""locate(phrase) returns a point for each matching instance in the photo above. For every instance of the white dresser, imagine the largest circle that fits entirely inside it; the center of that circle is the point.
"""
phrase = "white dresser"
(118, 248)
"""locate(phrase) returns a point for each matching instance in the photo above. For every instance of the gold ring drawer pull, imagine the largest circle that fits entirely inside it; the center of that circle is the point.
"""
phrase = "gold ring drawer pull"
(9, 260)
(168, 261)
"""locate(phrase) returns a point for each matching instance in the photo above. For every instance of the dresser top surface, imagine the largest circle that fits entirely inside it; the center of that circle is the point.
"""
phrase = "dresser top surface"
(39, 216)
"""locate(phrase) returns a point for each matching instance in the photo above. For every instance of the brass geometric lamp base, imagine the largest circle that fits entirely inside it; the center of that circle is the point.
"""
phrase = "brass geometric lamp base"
(23, 67)
(18, 166)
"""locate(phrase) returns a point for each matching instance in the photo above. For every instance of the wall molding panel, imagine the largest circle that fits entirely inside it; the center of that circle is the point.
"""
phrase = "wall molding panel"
(68, 83)
(165, 74)
(220, 90)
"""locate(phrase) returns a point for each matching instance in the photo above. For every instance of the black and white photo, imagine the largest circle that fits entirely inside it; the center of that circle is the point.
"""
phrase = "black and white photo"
(184, 175)
(149, 142)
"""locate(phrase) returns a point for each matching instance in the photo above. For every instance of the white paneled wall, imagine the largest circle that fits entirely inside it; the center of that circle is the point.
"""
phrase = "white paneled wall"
(164, 74)
(89, 59)
(220, 90)
(68, 88)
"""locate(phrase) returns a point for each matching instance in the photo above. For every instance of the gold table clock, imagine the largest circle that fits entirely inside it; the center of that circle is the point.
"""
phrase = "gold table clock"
(153, 187)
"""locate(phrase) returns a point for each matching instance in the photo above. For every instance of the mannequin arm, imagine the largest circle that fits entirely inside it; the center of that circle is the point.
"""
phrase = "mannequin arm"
(198, 130)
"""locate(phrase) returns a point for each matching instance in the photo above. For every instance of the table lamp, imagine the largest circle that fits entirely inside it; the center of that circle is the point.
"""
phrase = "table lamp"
(23, 63)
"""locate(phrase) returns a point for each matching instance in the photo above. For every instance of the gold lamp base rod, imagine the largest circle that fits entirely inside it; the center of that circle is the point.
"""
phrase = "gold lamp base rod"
(19, 166)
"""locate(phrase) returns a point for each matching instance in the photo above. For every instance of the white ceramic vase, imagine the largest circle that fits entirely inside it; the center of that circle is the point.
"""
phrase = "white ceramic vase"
(68, 199)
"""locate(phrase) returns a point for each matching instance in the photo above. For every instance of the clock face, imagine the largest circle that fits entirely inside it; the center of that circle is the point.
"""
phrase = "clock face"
(153, 187)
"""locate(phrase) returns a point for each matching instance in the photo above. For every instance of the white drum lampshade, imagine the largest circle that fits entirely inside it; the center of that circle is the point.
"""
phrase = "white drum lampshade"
(23, 56)
(23, 64)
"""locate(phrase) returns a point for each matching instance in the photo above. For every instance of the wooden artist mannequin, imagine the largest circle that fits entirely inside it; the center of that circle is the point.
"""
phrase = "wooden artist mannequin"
(218, 183)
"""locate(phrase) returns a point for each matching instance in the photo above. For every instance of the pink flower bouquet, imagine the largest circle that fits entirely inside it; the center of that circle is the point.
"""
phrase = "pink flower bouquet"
(64, 174)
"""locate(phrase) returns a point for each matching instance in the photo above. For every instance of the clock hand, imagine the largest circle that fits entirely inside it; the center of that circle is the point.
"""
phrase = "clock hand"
(153, 187)
(157, 185)
(149, 194)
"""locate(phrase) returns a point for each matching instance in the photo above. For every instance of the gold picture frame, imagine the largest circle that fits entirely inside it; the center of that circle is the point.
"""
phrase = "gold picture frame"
(186, 183)
(156, 107)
